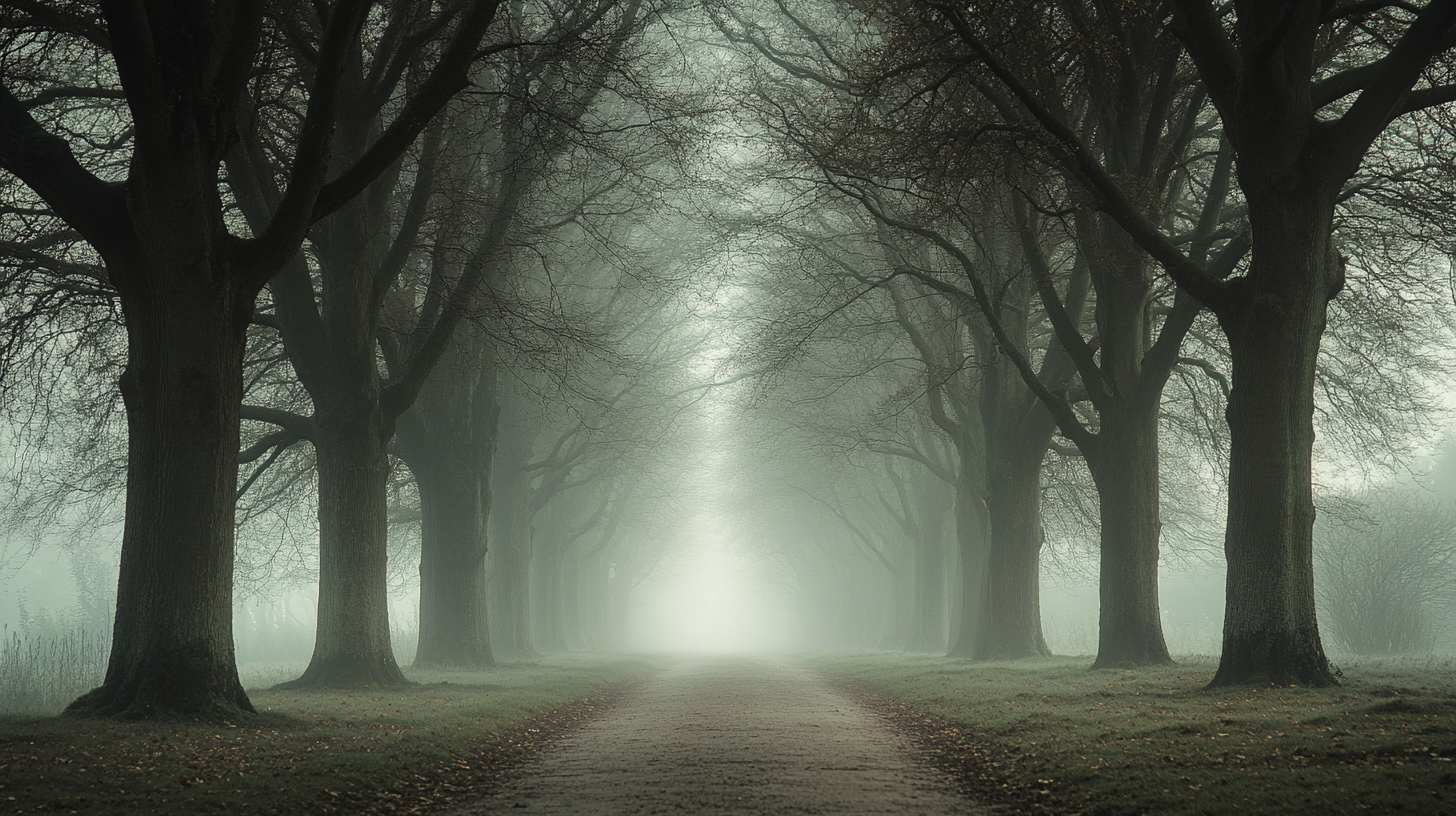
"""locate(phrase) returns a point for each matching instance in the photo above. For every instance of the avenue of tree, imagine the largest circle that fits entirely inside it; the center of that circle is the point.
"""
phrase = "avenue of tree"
(464, 288)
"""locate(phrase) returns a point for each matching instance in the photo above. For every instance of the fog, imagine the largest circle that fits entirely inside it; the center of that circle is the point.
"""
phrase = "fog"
(760, 327)
(709, 599)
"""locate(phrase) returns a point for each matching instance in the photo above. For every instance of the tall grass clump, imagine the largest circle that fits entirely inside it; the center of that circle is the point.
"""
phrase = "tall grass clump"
(42, 673)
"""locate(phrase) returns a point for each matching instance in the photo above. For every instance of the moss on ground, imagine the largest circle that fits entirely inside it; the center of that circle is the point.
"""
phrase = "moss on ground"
(1153, 741)
(368, 750)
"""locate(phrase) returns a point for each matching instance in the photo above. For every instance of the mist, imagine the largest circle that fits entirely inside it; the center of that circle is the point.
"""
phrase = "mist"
(923, 397)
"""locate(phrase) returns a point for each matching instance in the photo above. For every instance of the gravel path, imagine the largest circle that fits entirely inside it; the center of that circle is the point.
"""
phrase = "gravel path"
(731, 735)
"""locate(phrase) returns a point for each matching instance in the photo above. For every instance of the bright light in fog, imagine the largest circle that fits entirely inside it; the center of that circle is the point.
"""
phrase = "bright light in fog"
(706, 600)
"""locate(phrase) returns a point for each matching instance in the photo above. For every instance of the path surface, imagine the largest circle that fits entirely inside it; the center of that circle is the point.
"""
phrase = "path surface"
(731, 735)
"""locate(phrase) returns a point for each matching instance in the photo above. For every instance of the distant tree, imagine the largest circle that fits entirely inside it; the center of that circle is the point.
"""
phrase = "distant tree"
(402, 267)
(448, 440)
(1383, 579)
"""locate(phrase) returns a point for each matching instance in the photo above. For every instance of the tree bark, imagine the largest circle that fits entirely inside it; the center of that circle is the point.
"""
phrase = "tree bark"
(172, 640)
(928, 619)
(352, 645)
(971, 538)
(1129, 627)
(546, 568)
(897, 631)
(1011, 615)
(448, 440)
(1270, 633)
(332, 346)
(1123, 458)
(1017, 430)
(511, 572)
(454, 629)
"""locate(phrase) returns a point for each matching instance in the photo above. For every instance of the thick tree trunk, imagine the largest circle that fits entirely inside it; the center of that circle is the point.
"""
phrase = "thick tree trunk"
(897, 633)
(334, 354)
(448, 440)
(1130, 627)
(928, 620)
(454, 632)
(352, 646)
(511, 575)
(971, 541)
(1011, 616)
(1123, 458)
(1270, 632)
(172, 641)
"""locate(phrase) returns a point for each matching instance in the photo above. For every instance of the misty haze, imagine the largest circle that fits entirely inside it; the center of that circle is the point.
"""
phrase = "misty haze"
(728, 406)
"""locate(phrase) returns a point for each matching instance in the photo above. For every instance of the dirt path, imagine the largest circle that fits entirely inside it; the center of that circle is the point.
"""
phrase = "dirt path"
(731, 735)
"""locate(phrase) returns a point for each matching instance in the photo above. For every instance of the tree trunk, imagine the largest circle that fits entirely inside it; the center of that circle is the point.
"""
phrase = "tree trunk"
(928, 628)
(1130, 627)
(546, 567)
(172, 639)
(1011, 615)
(1124, 458)
(1270, 632)
(511, 574)
(333, 349)
(448, 439)
(454, 631)
(897, 631)
(971, 541)
(352, 646)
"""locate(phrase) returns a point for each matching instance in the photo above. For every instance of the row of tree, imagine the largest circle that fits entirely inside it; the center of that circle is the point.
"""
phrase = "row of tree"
(457, 236)
(350, 225)
(1062, 206)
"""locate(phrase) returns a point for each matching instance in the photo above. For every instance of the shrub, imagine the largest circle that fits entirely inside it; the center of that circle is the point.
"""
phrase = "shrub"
(1382, 579)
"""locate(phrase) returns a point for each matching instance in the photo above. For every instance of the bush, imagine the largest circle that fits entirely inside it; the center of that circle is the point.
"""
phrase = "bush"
(1382, 579)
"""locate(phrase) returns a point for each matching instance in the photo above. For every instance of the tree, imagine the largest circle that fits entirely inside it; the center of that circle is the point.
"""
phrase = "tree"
(1281, 77)
(1383, 578)
(187, 284)
(460, 198)
(448, 439)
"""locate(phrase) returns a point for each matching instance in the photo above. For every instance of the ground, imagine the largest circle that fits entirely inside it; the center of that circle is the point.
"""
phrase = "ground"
(732, 735)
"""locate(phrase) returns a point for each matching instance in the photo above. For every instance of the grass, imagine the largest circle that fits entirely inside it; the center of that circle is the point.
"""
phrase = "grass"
(1152, 741)
(44, 674)
(368, 750)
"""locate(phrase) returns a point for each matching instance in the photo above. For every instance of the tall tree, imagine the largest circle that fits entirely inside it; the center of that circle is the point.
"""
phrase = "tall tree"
(448, 439)
(1303, 88)
(471, 181)
(187, 284)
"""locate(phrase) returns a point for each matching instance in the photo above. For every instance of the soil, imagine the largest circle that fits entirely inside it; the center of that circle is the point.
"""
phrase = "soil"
(731, 735)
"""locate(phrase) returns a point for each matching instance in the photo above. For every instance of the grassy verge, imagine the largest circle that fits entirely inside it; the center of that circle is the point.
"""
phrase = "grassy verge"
(361, 751)
(1151, 741)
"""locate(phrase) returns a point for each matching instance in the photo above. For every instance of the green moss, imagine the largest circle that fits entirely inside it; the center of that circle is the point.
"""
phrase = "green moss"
(1152, 741)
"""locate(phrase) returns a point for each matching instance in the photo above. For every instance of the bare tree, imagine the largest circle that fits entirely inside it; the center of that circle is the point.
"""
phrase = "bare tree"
(1383, 578)
(187, 281)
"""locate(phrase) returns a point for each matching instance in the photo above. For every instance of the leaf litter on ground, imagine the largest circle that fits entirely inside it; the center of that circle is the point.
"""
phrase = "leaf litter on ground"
(1051, 736)
(368, 750)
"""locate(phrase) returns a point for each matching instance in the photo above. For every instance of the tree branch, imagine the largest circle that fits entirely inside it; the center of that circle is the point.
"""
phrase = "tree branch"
(297, 424)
